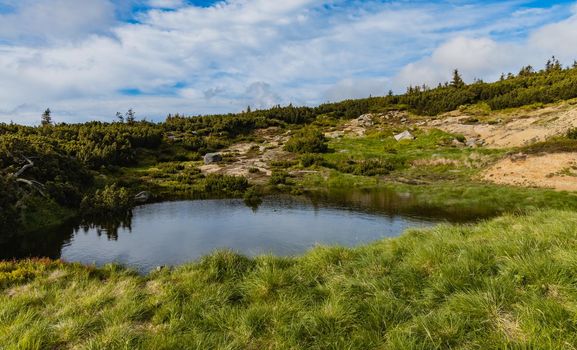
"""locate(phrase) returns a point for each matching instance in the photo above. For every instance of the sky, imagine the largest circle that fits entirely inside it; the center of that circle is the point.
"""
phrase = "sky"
(87, 60)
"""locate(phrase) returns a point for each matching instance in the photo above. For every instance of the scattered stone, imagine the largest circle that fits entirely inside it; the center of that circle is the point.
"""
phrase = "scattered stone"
(365, 120)
(518, 157)
(405, 135)
(211, 158)
(335, 134)
(457, 143)
(474, 142)
(142, 197)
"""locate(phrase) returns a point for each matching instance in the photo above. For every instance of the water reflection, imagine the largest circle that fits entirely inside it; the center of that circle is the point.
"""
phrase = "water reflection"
(172, 233)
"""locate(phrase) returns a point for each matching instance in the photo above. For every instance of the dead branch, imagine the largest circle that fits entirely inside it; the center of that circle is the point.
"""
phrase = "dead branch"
(25, 167)
(35, 185)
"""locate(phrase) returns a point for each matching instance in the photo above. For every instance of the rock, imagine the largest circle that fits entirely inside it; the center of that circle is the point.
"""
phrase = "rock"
(143, 196)
(335, 134)
(405, 135)
(473, 142)
(365, 120)
(211, 158)
(457, 143)
(518, 157)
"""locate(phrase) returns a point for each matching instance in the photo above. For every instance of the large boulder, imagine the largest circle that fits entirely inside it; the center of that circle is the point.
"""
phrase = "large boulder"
(211, 158)
(405, 135)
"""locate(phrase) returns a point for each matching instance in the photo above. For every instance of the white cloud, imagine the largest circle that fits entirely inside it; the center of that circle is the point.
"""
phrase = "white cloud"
(482, 57)
(37, 20)
(166, 4)
(254, 52)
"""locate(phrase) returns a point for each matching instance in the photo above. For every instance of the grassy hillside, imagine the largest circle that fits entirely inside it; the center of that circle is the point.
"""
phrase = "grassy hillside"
(506, 283)
(81, 165)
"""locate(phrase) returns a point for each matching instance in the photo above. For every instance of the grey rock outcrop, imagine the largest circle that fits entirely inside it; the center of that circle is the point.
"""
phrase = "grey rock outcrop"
(211, 158)
(405, 135)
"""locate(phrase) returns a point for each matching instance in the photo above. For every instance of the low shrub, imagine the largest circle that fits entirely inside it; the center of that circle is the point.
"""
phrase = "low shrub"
(279, 177)
(225, 184)
(368, 167)
(572, 134)
(310, 159)
(110, 199)
(307, 140)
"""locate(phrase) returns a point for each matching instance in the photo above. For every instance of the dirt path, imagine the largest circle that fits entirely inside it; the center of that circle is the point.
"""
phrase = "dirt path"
(557, 171)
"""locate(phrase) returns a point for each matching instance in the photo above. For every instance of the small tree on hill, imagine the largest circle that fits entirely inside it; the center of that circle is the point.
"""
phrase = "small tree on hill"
(130, 116)
(457, 81)
(46, 117)
(553, 65)
(528, 70)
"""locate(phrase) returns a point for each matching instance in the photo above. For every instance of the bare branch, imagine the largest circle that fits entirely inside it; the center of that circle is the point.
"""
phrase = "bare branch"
(24, 168)
(35, 185)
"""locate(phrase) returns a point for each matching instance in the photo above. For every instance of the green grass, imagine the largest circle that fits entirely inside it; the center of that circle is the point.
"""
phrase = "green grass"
(430, 157)
(446, 197)
(506, 283)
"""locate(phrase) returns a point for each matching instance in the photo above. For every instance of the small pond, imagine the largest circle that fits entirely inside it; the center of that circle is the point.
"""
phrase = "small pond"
(172, 233)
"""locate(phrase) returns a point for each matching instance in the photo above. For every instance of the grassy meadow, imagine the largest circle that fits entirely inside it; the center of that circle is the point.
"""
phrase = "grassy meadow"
(505, 283)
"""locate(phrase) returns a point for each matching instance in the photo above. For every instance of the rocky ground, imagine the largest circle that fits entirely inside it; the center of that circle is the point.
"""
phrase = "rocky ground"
(504, 130)
(517, 129)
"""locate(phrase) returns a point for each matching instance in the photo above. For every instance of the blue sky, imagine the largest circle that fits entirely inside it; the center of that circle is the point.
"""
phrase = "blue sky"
(88, 59)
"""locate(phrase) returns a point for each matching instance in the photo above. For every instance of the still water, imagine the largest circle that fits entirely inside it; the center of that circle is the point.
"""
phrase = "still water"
(172, 233)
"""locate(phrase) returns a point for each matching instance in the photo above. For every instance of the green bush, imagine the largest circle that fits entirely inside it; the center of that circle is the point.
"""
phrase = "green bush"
(307, 140)
(225, 184)
(368, 167)
(572, 134)
(310, 159)
(110, 199)
(279, 177)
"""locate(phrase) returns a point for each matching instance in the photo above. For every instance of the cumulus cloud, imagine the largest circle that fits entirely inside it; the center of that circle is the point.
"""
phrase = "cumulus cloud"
(235, 53)
(483, 57)
(40, 20)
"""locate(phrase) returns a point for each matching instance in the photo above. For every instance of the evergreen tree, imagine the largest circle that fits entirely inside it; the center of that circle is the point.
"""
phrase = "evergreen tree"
(46, 117)
(457, 81)
(528, 70)
(552, 64)
(120, 117)
(130, 116)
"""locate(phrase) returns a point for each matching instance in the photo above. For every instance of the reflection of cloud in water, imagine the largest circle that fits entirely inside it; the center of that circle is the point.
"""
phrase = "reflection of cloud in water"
(176, 232)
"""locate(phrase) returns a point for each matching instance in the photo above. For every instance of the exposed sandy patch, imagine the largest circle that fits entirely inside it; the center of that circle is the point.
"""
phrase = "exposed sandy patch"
(513, 130)
(549, 171)
(360, 126)
(251, 155)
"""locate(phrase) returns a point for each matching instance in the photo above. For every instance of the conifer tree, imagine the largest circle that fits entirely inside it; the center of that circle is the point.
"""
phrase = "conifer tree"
(46, 117)
(457, 81)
